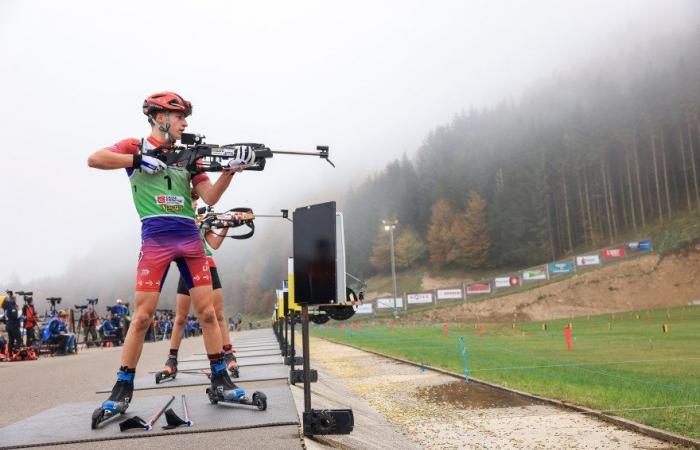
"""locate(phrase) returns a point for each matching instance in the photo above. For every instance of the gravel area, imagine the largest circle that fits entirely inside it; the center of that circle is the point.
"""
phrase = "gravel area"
(438, 412)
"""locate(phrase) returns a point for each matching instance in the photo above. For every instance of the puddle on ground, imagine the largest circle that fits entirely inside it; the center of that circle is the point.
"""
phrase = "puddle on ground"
(472, 396)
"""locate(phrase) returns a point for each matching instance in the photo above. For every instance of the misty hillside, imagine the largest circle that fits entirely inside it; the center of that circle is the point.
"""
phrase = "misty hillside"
(581, 159)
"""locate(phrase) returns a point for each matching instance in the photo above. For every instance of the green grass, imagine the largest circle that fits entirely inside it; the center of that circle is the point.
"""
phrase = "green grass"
(614, 365)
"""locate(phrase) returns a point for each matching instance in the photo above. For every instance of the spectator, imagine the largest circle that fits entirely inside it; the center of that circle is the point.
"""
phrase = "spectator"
(30, 320)
(110, 332)
(89, 322)
(12, 322)
(57, 333)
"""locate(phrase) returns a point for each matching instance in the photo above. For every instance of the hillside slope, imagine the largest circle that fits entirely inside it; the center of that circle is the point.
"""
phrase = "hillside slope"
(643, 283)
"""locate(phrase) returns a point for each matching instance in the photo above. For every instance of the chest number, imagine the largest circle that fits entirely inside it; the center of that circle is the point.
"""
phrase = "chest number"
(170, 183)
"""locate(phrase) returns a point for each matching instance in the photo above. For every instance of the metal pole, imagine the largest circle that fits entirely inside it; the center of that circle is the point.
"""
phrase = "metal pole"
(307, 357)
(393, 267)
(293, 351)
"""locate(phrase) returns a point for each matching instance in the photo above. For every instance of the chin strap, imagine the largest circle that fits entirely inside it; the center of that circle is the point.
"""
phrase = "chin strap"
(165, 129)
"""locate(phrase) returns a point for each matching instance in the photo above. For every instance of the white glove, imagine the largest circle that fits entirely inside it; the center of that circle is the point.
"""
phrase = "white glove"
(151, 165)
(243, 156)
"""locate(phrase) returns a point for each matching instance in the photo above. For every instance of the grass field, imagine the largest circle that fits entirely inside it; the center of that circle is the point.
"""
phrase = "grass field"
(621, 364)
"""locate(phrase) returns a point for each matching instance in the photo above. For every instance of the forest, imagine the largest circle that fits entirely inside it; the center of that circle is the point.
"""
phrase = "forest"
(583, 158)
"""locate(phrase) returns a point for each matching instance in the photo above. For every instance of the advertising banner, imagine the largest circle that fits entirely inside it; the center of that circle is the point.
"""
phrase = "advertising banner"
(534, 274)
(588, 260)
(383, 303)
(643, 246)
(415, 299)
(365, 308)
(478, 288)
(565, 267)
(614, 253)
(449, 294)
(507, 282)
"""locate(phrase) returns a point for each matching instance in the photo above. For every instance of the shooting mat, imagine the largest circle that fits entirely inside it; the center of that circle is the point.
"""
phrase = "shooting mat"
(70, 423)
(250, 373)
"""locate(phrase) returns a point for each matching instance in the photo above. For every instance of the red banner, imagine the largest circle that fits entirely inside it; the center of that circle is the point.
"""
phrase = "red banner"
(479, 288)
(613, 253)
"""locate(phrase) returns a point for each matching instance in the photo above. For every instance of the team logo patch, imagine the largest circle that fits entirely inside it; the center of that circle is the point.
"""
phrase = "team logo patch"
(145, 272)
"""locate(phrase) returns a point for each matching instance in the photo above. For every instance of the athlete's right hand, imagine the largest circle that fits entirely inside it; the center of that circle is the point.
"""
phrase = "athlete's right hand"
(151, 165)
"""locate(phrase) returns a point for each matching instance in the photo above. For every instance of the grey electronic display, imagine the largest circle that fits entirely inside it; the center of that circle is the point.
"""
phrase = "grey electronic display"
(315, 266)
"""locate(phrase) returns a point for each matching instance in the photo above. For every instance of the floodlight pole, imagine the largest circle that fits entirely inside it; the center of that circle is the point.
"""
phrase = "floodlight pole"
(389, 226)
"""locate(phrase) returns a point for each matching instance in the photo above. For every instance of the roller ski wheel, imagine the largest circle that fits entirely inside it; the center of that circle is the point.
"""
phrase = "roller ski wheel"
(170, 371)
(116, 405)
(232, 365)
(260, 400)
(213, 398)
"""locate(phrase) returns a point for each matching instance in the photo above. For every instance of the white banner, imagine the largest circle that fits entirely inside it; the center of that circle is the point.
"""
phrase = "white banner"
(414, 299)
(589, 260)
(365, 308)
(449, 294)
(534, 274)
(383, 303)
(502, 282)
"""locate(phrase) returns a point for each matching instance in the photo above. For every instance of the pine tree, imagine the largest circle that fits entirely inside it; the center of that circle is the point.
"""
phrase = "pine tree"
(440, 238)
(410, 249)
(471, 235)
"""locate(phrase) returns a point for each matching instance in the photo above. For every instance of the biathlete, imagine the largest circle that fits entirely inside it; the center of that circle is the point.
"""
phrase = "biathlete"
(182, 305)
(161, 194)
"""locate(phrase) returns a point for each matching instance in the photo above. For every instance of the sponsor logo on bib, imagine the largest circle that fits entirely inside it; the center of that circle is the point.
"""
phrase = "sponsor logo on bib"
(170, 202)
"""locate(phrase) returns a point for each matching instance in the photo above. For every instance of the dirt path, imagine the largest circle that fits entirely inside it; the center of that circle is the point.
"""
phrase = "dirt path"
(432, 410)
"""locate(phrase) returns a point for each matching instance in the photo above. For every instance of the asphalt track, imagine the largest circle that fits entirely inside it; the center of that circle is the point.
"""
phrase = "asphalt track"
(62, 419)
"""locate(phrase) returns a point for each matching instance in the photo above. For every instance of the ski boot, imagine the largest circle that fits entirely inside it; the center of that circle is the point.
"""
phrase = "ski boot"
(224, 390)
(170, 370)
(232, 364)
(118, 401)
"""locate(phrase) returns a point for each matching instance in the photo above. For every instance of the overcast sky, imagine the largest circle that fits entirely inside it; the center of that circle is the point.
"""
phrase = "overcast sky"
(368, 78)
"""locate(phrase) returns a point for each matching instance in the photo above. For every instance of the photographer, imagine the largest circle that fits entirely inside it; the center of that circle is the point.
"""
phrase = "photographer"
(57, 333)
(30, 319)
(89, 321)
(12, 322)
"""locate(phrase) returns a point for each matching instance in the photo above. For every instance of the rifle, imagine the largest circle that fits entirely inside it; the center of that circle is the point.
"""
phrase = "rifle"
(198, 156)
(233, 218)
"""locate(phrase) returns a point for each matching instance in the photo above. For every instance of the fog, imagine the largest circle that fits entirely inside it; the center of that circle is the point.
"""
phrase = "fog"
(369, 79)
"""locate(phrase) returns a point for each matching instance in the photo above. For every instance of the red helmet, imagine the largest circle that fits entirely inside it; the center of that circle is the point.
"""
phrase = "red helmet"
(166, 101)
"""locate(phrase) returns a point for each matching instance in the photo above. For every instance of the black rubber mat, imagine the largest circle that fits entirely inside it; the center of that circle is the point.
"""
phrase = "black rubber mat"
(70, 423)
(250, 373)
(242, 360)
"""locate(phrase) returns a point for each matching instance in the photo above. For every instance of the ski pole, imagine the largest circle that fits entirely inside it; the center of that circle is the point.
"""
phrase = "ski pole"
(137, 422)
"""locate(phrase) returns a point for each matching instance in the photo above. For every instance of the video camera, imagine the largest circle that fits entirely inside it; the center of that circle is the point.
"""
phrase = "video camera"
(53, 300)
(26, 295)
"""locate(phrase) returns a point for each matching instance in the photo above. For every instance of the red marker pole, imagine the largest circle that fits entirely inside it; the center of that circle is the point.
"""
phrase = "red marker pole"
(391, 325)
(445, 329)
(567, 334)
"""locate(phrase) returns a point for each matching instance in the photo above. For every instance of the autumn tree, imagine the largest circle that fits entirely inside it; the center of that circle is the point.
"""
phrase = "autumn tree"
(440, 238)
(471, 234)
(381, 256)
(409, 248)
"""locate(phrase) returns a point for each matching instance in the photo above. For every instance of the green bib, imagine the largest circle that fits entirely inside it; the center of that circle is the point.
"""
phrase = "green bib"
(166, 193)
(207, 250)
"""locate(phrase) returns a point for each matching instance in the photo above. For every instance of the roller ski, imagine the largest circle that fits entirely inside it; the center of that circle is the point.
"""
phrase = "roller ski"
(118, 401)
(232, 364)
(170, 371)
(223, 390)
